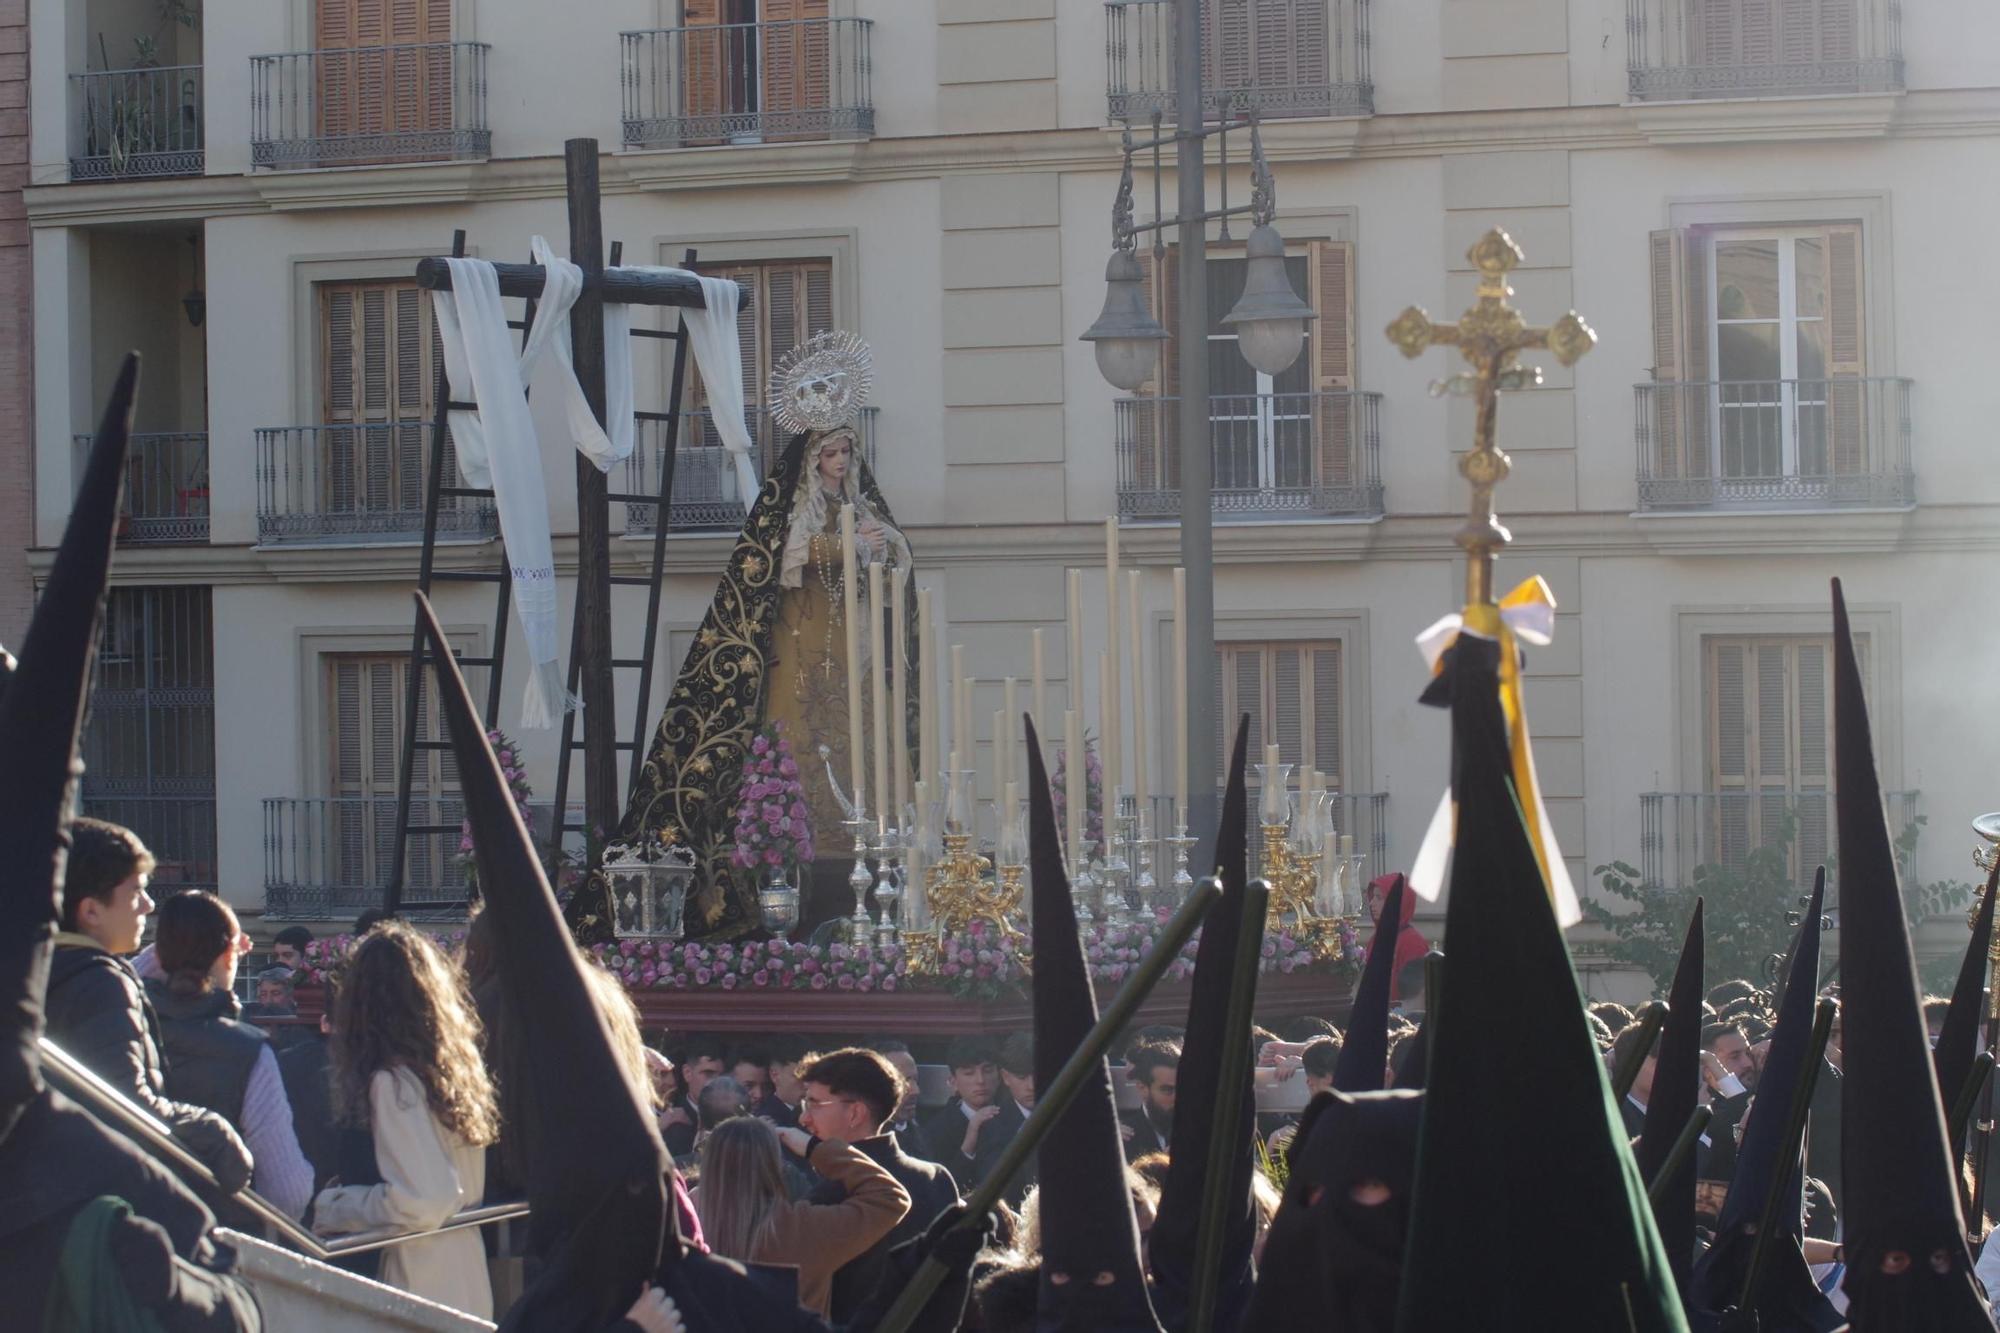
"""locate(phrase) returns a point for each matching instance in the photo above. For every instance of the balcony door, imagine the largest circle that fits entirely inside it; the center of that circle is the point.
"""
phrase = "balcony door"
(378, 376)
(1261, 425)
(787, 301)
(1769, 355)
(382, 70)
(755, 67)
(365, 694)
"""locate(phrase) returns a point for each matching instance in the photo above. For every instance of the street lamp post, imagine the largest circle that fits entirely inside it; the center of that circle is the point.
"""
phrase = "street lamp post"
(1270, 323)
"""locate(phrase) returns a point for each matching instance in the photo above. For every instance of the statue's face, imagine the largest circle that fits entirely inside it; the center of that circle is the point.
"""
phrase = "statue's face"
(834, 457)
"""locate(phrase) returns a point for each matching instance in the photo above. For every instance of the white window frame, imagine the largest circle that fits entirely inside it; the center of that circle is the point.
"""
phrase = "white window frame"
(1267, 416)
(1788, 322)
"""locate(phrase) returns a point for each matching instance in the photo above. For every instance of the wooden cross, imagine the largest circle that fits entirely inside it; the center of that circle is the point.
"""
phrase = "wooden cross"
(1489, 336)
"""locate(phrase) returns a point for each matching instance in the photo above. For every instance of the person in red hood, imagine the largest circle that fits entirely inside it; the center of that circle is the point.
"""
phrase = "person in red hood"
(1410, 944)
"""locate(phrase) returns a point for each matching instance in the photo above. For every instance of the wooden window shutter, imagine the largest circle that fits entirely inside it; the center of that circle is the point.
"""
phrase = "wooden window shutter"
(1286, 689)
(378, 370)
(1846, 350)
(1665, 261)
(1757, 40)
(793, 42)
(1798, 38)
(1325, 733)
(704, 58)
(1331, 346)
(1305, 31)
(1839, 38)
(1694, 354)
(1227, 62)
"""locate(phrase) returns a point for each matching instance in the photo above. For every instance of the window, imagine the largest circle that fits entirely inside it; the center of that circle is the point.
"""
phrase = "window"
(1292, 692)
(149, 746)
(378, 371)
(365, 748)
(754, 73)
(1763, 330)
(367, 91)
(1290, 432)
(1274, 49)
(787, 302)
(1770, 746)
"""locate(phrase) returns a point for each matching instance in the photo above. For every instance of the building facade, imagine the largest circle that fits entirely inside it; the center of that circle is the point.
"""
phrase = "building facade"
(1769, 210)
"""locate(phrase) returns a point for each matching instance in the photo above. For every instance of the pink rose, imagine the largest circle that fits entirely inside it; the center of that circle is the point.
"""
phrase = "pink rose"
(729, 981)
(702, 976)
(761, 977)
(759, 745)
(846, 982)
(819, 983)
(789, 768)
(888, 983)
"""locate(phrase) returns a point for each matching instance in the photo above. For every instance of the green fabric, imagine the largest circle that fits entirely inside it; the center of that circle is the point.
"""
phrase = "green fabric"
(88, 1294)
(1528, 1211)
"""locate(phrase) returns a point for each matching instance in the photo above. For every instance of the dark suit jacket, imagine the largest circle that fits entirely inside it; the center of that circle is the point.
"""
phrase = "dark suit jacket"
(911, 1138)
(945, 1128)
(1145, 1137)
(931, 1191)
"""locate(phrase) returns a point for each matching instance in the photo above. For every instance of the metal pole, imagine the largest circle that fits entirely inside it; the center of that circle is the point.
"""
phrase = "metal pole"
(1197, 535)
(593, 506)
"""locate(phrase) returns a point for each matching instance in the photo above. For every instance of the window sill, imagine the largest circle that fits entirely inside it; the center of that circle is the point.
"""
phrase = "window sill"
(1766, 119)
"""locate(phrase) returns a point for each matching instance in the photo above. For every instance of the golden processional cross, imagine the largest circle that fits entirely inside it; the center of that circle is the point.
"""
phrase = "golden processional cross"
(1489, 336)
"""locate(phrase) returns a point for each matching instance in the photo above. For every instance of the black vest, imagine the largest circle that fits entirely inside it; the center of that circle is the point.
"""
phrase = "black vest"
(209, 1052)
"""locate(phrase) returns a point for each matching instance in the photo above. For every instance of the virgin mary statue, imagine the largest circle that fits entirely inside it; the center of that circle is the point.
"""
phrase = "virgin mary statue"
(773, 650)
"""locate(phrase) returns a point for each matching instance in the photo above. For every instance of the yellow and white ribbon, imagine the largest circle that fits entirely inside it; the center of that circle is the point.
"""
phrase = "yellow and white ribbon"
(1525, 615)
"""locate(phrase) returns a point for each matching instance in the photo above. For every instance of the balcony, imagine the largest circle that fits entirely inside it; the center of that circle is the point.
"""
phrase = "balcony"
(369, 105)
(1285, 58)
(1692, 50)
(1680, 831)
(1775, 444)
(1275, 455)
(319, 485)
(166, 488)
(328, 858)
(131, 123)
(707, 495)
(743, 83)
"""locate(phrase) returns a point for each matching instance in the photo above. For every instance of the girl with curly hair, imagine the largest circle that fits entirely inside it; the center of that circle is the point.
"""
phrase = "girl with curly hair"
(406, 1065)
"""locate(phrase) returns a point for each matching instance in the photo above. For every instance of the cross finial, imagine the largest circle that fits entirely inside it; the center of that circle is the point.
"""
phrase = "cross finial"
(1489, 335)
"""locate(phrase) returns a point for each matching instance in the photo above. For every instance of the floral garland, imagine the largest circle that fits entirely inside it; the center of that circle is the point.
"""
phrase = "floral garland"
(325, 956)
(773, 828)
(975, 965)
(516, 773)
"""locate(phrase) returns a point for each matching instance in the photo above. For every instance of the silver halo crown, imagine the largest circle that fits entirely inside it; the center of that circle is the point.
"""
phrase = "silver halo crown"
(822, 384)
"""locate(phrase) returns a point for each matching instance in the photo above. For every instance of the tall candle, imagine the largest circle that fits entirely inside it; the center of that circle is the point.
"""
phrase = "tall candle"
(1112, 708)
(1271, 768)
(958, 726)
(1041, 689)
(878, 691)
(1142, 781)
(1108, 793)
(1006, 740)
(850, 597)
(1073, 785)
(899, 685)
(1180, 696)
(917, 907)
(1010, 803)
(927, 746)
(999, 752)
(1076, 686)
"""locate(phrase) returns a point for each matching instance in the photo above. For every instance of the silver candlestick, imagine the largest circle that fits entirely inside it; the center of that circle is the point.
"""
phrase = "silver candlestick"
(1117, 870)
(1145, 888)
(1083, 888)
(889, 888)
(1183, 881)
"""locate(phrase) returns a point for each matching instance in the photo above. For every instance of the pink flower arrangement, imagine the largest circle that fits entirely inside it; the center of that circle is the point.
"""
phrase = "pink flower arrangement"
(1093, 791)
(327, 955)
(773, 826)
(514, 769)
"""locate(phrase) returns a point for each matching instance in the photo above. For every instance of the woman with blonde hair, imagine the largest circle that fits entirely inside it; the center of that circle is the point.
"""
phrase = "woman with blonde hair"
(406, 1065)
(746, 1214)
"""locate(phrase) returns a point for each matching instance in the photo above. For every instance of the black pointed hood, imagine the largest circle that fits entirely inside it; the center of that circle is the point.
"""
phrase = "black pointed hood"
(1171, 1246)
(1958, 1041)
(1908, 1264)
(1786, 1299)
(1676, 1089)
(1499, 1132)
(1087, 1224)
(41, 727)
(599, 1218)
(1366, 1051)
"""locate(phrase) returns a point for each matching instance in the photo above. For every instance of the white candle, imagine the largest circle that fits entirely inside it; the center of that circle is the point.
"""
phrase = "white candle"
(878, 692)
(1142, 781)
(1180, 696)
(958, 745)
(1010, 802)
(1041, 689)
(927, 746)
(999, 752)
(1076, 687)
(1073, 785)
(1005, 739)
(899, 687)
(1108, 793)
(917, 906)
(1112, 709)
(850, 598)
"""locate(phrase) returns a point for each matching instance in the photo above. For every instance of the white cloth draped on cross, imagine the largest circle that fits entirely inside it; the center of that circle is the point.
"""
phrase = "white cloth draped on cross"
(497, 445)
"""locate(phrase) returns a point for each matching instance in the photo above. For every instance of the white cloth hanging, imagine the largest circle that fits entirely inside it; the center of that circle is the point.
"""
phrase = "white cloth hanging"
(713, 339)
(497, 448)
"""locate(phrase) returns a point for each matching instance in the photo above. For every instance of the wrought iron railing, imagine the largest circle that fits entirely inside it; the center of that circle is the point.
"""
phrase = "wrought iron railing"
(1273, 454)
(372, 104)
(747, 83)
(166, 488)
(1807, 444)
(707, 493)
(1684, 50)
(357, 483)
(178, 830)
(328, 858)
(1282, 57)
(136, 122)
(1680, 831)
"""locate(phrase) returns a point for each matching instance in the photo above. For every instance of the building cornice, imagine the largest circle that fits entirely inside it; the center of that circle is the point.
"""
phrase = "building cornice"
(1924, 114)
(1404, 537)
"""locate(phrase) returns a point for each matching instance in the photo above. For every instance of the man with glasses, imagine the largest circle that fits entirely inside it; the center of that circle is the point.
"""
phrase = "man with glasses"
(851, 1096)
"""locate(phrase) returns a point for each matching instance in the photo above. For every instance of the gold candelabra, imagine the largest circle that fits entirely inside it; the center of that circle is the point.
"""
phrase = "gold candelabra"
(1294, 879)
(962, 887)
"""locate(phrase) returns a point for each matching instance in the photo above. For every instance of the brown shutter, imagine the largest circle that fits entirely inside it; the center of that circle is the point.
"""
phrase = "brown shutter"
(378, 370)
(1695, 402)
(1846, 354)
(1758, 43)
(1729, 740)
(703, 58)
(793, 45)
(1331, 347)
(1309, 58)
(1715, 38)
(1838, 37)
(1670, 399)
(1285, 686)
(1327, 754)
(1166, 307)
(1798, 38)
